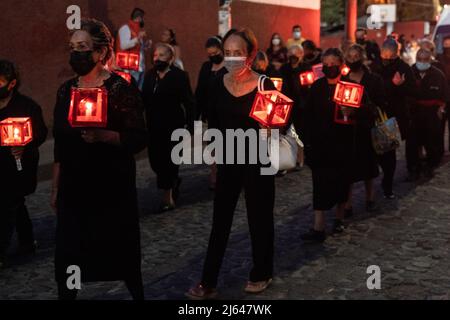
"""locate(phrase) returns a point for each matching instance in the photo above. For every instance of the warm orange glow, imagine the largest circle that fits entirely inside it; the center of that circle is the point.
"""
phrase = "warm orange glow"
(16, 132)
(88, 107)
(124, 75)
(345, 70)
(307, 78)
(271, 108)
(128, 61)
(348, 94)
(278, 83)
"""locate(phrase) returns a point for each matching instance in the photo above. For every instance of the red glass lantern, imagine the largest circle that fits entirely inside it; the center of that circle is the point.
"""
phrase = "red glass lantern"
(88, 107)
(16, 132)
(278, 83)
(307, 78)
(348, 94)
(271, 108)
(124, 75)
(345, 70)
(128, 60)
(317, 69)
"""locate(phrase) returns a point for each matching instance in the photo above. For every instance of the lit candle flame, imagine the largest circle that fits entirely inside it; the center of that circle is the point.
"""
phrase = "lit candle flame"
(89, 106)
(347, 94)
(16, 133)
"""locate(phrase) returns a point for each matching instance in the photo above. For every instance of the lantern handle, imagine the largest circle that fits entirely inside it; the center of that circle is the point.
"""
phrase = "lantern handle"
(261, 80)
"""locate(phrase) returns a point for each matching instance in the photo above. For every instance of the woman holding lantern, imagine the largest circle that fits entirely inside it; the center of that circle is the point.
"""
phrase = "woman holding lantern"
(169, 105)
(234, 94)
(94, 188)
(18, 160)
(329, 146)
(366, 162)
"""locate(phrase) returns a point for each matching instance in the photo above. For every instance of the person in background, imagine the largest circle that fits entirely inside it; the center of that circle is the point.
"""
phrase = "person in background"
(312, 54)
(430, 46)
(169, 105)
(277, 54)
(431, 96)
(132, 38)
(169, 37)
(444, 59)
(365, 163)
(292, 87)
(296, 36)
(210, 71)
(371, 47)
(234, 95)
(94, 174)
(328, 149)
(399, 83)
(261, 63)
(15, 185)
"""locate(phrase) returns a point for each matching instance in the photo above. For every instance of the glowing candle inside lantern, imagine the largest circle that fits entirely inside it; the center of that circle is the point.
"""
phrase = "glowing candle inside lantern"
(16, 134)
(88, 109)
(347, 94)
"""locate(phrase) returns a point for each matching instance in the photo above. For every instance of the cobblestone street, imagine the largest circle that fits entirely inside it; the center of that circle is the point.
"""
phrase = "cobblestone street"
(408, 238)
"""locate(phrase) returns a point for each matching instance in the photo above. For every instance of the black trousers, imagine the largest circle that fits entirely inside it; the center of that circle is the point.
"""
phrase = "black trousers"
(14, 216)
(388, 163)
(259, 197)
(426, 131)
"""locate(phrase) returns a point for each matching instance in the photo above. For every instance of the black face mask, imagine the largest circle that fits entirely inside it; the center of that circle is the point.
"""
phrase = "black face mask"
(293, 59)
(82, 62)
(331, 72)
(355, 66)
(4, 92)
(387, 62)
(361, 41)
(141, 24)
(161, 65)
(217, 59)
(309, 56)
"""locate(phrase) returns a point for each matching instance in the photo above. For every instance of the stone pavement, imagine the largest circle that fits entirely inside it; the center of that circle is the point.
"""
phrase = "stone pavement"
(408, 238)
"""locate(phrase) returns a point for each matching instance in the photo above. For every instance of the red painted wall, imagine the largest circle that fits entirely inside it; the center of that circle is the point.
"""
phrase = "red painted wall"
(34, 34)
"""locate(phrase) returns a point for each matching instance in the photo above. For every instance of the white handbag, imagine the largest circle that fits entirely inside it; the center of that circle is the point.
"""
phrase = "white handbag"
(289, 144)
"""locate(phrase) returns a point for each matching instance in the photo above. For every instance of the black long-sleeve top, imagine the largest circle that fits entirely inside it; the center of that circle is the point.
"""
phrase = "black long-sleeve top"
(205, 81)
(169, 102)
(14, 182)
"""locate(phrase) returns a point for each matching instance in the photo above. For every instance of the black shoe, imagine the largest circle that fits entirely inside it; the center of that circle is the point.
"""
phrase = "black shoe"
(371, 206)
(348, 213)
(338, 226)
(313, 236)
(166, 207)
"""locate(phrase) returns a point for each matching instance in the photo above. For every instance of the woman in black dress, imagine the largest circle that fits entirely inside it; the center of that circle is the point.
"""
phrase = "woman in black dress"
(235, 93)
(94, 183)
(169, 105)
(329, 148)
(366, 162)
(210, 71)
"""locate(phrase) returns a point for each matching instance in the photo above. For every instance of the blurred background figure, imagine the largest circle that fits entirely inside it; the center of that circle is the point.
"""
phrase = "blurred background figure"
(371, 47)
(312, 54)
(277, 54)
(132, 38)
(168, 36)
(296, 36)
(261, 63)
(169, 105)
(444, 59)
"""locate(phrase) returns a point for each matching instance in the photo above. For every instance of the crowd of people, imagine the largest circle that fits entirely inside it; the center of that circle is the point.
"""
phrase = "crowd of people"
(94, 174)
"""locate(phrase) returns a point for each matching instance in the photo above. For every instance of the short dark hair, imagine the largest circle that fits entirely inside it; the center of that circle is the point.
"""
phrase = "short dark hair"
(9, 71)
(361, 29)
(214, 42)
(335, 52)
(137, 12)
(297, 26)
(309, 44)
(248, 36)
(359, 49)
(390, 44)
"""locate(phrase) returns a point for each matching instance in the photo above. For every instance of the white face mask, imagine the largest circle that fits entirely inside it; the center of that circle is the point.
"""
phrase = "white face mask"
(235, 65)
(276, 42)
(297, 35)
